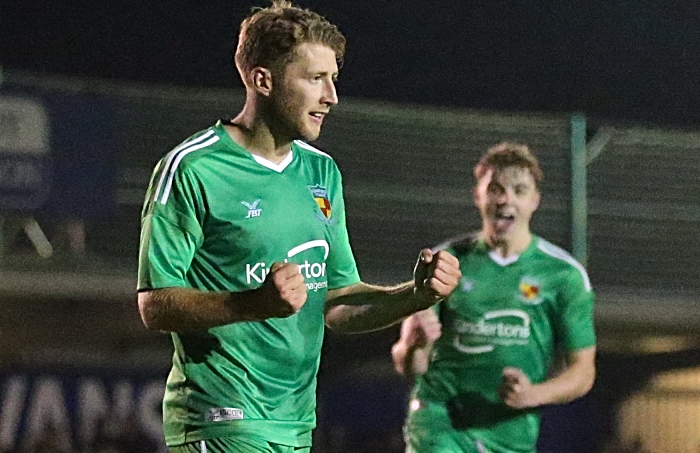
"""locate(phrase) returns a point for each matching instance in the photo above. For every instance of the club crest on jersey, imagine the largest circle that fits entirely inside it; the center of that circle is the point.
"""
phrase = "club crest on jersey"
(320, 195)
(530, 291)
(253, 210)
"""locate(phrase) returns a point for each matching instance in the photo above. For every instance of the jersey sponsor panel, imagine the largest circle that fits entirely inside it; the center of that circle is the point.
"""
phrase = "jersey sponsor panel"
(256, 273)
(500, 327)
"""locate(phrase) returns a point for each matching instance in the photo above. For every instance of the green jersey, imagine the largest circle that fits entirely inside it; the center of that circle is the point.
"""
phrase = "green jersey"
(509, 312)
(215, 219)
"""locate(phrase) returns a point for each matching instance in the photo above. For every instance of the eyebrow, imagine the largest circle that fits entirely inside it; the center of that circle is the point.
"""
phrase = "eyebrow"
(323, 73)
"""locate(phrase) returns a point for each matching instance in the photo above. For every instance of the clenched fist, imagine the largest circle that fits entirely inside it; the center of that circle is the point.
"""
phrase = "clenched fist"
(284, 291)
(421, 329)
(436, 274)
(516, 390)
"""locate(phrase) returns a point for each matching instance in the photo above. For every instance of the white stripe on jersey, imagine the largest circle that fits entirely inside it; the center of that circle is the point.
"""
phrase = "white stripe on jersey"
(311, 148)
(172, 156)
(180, 155)
(202, 446)
(561, 254)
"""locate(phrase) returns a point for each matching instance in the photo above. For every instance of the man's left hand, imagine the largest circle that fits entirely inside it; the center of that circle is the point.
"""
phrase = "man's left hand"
(516, 390)
(436, 274)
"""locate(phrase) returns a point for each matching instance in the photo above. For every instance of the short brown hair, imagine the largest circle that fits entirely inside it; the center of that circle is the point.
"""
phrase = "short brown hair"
(269, 36)
(508, 154)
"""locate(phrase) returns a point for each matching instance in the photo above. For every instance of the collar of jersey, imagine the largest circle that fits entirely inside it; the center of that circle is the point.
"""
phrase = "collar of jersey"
(273, 166)
(279, 168)
(503, 262)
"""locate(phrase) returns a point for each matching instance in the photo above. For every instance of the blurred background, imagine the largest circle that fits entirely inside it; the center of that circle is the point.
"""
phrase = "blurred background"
(605, 92)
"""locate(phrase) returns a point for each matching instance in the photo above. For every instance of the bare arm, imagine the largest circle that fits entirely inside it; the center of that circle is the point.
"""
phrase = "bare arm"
(573, 382)
(411, 353)
(363, 308)
(184, 309)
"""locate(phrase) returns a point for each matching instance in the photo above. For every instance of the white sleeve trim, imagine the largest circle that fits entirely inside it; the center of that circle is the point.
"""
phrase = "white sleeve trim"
(176, 157)
(311, 148)
(559, 253)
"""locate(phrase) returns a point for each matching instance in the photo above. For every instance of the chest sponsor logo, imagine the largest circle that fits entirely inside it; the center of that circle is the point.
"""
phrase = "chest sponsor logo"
(253, 210)
(320, 195)
(530, 291)
(501, 327)
(257, 272)
(223, 414)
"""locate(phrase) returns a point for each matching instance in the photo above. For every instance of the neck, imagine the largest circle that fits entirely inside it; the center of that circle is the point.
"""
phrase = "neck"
(252, 132)
(506, 247)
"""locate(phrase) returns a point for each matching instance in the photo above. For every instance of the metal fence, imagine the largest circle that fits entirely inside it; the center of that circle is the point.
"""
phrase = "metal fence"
(407, 174)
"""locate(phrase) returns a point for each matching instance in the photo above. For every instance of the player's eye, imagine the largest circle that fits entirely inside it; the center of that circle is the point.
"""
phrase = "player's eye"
(494, 189)
(522, 190)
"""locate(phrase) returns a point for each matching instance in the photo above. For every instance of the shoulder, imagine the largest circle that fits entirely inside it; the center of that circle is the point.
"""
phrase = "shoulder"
(175, 166)
(460, 245)
(312, 152)
(191, 149)
(562, 259)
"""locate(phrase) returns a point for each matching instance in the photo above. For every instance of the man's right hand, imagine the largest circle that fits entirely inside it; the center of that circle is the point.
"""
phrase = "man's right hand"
(422, 329)
(284, 291)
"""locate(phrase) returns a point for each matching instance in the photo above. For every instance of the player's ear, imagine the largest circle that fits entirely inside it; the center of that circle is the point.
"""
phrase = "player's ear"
(475, 195)
(262, 80)
(538, 197)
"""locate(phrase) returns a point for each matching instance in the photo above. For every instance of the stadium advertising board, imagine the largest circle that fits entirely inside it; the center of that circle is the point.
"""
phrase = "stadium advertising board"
(76, 407)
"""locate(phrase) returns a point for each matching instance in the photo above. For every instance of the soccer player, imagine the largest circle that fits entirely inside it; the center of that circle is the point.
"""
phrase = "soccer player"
(481, 357)
(245, 253)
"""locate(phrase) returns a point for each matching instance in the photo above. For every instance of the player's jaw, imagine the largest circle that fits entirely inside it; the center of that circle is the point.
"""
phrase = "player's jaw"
(315, 121)
(501, 225)
(293, 120)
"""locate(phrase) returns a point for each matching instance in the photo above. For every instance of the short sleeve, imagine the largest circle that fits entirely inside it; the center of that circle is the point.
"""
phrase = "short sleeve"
(341, 266)
(576, 323)
(170, 229)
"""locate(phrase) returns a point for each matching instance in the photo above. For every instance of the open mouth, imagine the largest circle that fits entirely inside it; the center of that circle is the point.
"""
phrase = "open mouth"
(317, 116)
(504, 221)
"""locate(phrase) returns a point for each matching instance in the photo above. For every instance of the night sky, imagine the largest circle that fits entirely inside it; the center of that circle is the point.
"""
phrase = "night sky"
(622, 60)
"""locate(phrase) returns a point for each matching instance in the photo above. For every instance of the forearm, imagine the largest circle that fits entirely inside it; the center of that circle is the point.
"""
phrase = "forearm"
(364, 308)
(185, 309)
(573, 382)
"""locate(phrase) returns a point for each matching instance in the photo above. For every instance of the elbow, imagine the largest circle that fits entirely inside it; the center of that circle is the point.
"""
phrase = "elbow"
(149, 312)
(584, 385)
(329, 320)
(337, 320)
(589, 382)
(147, 317)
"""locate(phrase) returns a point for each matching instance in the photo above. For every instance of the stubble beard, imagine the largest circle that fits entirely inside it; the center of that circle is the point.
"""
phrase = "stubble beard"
(290, 122)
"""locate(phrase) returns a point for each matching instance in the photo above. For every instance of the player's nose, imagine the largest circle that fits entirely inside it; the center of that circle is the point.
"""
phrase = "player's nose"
(330, 94)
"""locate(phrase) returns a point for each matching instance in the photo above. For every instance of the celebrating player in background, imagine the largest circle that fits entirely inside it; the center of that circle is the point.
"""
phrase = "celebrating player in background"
(481, 357)
(245, 253)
